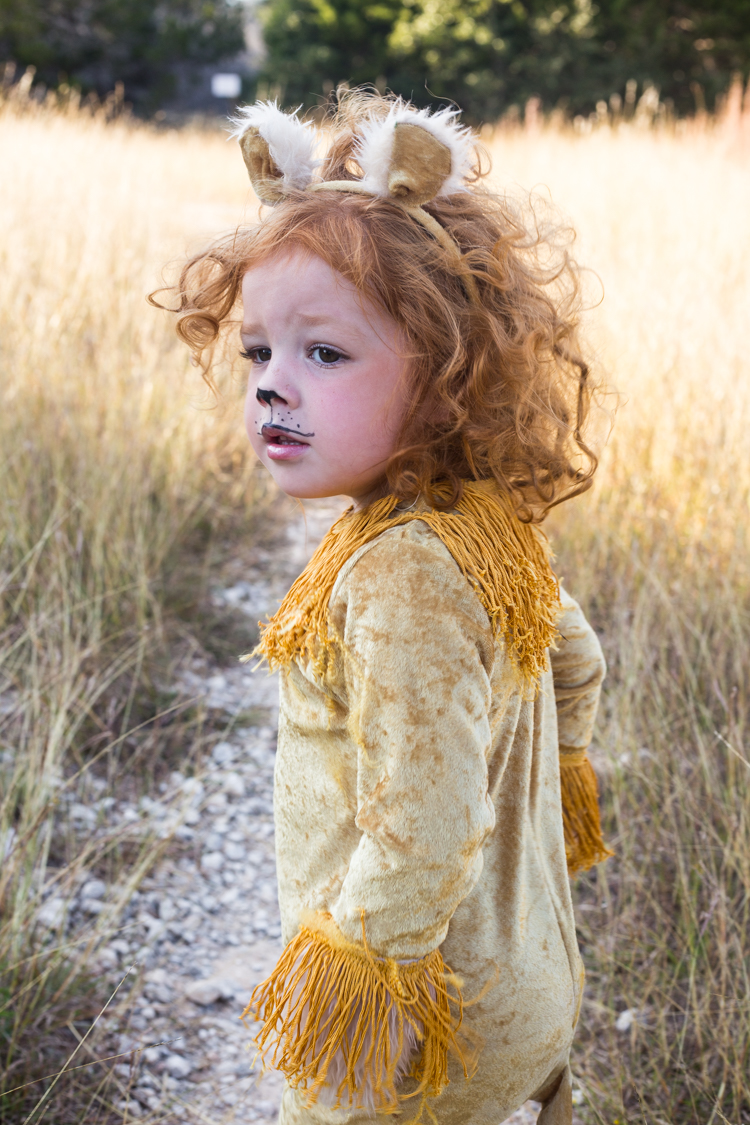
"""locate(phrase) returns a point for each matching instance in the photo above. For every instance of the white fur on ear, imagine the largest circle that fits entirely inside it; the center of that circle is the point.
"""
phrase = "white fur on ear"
(375, 146)
(290, 141)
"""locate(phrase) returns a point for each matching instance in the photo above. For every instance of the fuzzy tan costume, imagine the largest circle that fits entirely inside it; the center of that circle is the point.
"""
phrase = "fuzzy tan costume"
(417, 790)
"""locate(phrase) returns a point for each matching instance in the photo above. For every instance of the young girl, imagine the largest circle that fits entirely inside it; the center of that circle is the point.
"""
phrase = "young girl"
(438, 688)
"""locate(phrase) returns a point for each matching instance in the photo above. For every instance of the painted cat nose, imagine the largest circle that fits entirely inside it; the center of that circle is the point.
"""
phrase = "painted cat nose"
(268, 397)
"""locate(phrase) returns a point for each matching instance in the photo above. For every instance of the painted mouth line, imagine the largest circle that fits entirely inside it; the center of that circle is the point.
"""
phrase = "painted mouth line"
(268, 433)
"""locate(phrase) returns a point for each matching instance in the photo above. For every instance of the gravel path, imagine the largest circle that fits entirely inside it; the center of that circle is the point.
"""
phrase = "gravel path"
(204, 927)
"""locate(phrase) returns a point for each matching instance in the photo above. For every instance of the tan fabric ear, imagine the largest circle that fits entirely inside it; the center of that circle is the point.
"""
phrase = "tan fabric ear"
(265, 175)
(420, 164)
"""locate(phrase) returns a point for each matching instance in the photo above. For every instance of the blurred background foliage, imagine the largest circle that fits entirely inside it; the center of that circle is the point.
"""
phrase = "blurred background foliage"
(487, 55)
(491, 54)
(152, 49)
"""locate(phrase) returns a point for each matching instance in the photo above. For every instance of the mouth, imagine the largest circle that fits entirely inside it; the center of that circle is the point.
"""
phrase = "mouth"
(281, 443)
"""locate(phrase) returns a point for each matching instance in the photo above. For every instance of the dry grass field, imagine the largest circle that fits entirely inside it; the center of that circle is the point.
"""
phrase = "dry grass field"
(120, 489)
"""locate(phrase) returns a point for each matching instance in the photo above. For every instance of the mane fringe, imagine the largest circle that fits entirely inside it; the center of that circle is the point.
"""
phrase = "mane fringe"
(506, 561)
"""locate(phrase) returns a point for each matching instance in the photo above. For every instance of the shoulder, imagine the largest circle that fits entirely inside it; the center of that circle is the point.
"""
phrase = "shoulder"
(408, 574)
(399, 554)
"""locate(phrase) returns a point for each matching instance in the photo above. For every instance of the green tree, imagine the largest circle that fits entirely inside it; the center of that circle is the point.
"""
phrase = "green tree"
(490, 54)
(95, 43)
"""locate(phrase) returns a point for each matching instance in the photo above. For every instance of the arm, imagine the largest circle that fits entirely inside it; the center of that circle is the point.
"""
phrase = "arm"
(578, 669)
(419, 649)
(360, 996)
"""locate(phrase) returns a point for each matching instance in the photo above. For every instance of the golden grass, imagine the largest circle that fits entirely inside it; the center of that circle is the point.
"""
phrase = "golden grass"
(115, 477)
(117, 481)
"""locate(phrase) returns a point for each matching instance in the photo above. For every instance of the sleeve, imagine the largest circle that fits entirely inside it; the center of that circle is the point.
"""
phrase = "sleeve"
(418, 649)
(578, 669)
(360, 997)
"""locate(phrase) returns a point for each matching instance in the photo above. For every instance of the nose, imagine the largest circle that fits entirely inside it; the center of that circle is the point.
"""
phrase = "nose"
(268, 397)
(276, 388)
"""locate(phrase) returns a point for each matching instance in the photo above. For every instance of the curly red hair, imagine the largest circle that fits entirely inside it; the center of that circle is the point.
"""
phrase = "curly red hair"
(499, 388)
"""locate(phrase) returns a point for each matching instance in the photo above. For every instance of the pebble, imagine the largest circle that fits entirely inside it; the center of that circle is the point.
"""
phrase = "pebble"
(94, 889)
(176, 1066)
(203, 992)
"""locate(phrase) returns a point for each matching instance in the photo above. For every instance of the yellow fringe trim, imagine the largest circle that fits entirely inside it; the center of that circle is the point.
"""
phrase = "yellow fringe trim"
(506, 561)
(327, 995)
(584, 845)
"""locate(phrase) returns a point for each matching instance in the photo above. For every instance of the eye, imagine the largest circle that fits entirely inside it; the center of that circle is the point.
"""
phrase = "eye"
(256, 355)
(324, 355)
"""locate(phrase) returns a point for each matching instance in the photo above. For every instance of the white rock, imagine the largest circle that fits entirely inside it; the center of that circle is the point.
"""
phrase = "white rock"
(106, 959)
(212, 861)
(626, 1019)
(52, 913)
(577, 1097)
(267, 893)
(234, 851)
(234, 785)
(152, 808)
(157, 976)
(217, 803)
(129, 1108)
(93, 906)
(203, 992)
(193, 788)
(83, 814)
(226, 898)
(167, 910)
(192, 816)
(146, 1097)
(223, 753)
(176, 1066)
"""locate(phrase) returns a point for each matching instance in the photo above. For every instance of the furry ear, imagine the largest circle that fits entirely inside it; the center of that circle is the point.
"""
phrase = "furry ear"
(413, 156)
(277, 148)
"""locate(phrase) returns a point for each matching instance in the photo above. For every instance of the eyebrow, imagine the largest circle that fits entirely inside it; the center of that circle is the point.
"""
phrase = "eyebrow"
(311, 320)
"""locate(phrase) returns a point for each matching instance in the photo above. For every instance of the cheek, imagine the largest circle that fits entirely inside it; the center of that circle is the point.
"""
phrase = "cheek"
(252, 419)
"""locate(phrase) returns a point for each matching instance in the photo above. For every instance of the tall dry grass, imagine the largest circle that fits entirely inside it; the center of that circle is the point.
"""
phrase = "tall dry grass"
(116, 481)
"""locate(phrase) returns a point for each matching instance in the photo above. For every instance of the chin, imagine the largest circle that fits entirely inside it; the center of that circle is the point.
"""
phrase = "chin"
(306, 489)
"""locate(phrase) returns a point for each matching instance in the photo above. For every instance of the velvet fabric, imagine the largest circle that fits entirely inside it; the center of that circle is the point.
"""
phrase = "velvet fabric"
(418, 781)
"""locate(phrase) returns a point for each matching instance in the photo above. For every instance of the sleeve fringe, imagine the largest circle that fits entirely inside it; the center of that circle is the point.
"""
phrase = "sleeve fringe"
(584, 845)
(331, 1006)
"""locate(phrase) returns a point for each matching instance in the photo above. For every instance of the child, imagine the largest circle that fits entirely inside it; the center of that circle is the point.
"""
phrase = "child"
(438, 689)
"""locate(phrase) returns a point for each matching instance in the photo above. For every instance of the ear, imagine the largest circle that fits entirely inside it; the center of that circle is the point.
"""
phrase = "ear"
(413, 156)
(277, 148)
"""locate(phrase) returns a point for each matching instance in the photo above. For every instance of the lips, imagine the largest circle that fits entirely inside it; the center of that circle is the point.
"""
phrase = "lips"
(281, 444)
(279, 435)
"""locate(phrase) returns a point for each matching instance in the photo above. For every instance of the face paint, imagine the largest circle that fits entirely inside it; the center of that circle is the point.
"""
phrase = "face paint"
(267, 429)
(285, 429)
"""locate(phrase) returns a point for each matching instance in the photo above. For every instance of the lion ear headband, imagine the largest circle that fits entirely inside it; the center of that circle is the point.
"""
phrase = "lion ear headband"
(409, 157)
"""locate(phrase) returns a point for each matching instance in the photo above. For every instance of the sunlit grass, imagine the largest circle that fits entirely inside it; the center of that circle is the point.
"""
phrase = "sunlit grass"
(117, 480)
(119, 483)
